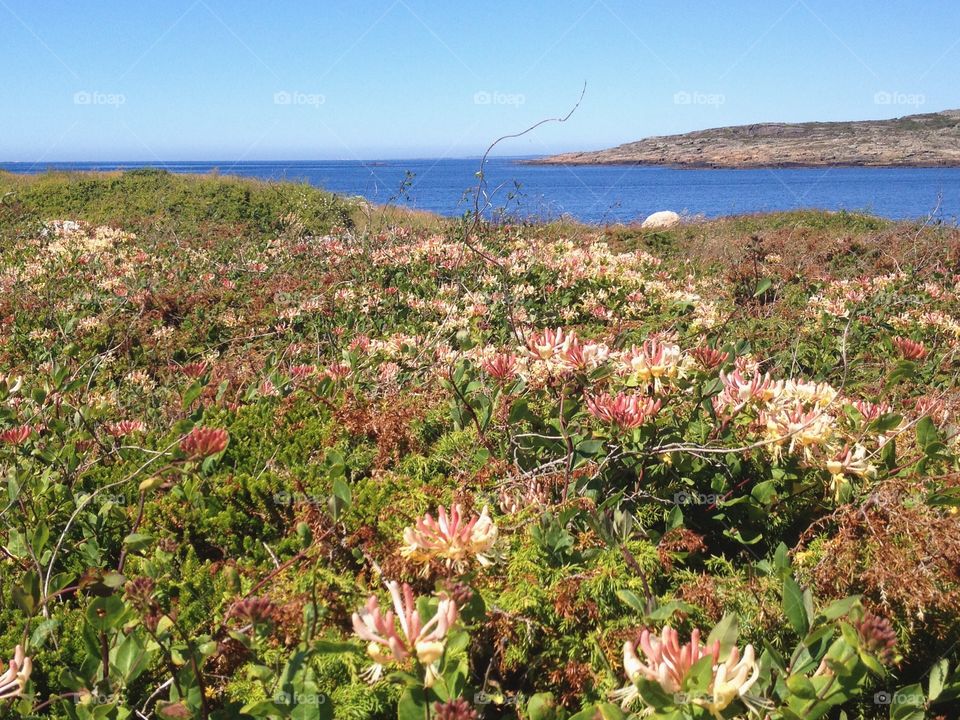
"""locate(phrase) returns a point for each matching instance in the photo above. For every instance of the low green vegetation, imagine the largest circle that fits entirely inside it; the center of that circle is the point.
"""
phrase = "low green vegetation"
(270, 453)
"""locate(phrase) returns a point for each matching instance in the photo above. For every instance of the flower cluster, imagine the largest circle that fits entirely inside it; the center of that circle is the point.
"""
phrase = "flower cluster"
(623, 410)
(668, 663)
(400, 633)
(14, 680)
(451, 539)
(202, 442)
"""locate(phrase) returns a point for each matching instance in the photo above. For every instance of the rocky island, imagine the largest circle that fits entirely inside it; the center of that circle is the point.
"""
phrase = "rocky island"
(927, 140)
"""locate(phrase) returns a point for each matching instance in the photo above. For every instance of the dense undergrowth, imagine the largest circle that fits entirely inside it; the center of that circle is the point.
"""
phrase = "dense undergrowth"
(239, 422)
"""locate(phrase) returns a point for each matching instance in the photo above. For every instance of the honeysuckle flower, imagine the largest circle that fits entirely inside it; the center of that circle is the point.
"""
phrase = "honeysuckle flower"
(871, 411)
(338, 371)
(123, 428)
(800, 428)
(451, 538)
(667, 663)
(623, 410)
(548, 343)
(302, 372)
(709, 358)
(851, 461)
(731, 681)
(501, 367)
(739, 391)
(194, 369)
(910, 349)
(14, 680)
(817, 394)
(16, 435)
(585, 356)
(400, 634)
(202, 442)
(654, 362)
(878, 637)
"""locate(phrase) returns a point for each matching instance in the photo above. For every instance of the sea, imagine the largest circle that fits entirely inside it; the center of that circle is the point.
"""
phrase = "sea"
(600, 194)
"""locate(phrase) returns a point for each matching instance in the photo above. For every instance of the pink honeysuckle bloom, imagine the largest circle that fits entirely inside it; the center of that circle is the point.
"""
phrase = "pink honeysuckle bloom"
(14, 680)
(548, 343)
(910, 349)
(667, 663)
(585, 356)
(451, 538)
(302, 372)
(16, 435)
(360, 343)
(413, 637)
(202, 442)
(654, 362)
(731, 681)
(194, 369)
(625, 411)
(739, 391)
(710, 358)
(501, 367)
(338, 371)
(872, 411)
(123, 428)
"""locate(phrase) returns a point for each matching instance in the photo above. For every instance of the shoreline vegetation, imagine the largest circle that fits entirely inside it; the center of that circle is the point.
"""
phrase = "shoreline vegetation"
(267, 452)
(923, 141)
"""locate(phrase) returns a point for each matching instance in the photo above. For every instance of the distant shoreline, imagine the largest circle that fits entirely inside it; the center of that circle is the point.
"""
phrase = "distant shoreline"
(930, 140)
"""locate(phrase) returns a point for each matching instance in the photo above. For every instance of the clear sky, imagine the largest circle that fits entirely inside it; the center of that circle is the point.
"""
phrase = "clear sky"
(248, 79)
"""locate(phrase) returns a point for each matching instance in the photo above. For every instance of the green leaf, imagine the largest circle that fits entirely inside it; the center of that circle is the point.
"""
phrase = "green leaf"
(793, 605)
(839, 608)
(927, 433)
(726, 631)
(191, 394)
(42, 631)
(938, 678)
(781, 557)
(763, 286)
(666, 611)
(908, 703)
(413, 704)
(340, 499)
(633, 600)
(886, 423)
(138, 541)
(105, 612)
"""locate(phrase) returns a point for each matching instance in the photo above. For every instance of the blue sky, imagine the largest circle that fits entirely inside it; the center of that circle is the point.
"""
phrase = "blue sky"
(247, 80)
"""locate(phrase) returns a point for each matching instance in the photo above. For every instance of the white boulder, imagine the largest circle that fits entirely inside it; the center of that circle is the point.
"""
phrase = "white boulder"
(662, 219)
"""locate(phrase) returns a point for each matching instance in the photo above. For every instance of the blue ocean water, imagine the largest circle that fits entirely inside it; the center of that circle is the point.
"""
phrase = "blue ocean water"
(598, 194)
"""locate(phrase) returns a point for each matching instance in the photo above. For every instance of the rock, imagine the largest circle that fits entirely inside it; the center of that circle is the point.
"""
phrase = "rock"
(662, 219)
